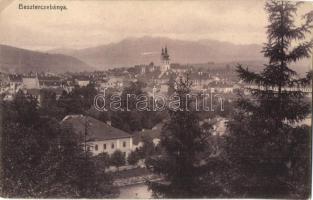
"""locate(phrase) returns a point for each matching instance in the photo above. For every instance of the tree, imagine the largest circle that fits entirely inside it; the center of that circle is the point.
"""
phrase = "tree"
(182, 140)
(25, 138)
(71, 103)
(41, 160)
(131, 119)
(148, 147)
(102, 160)
(48, 104)
(23, 109)
(171, 85)
(67, 172)
(133, 158)
(117, 159)
(264, 140)
(78, 101)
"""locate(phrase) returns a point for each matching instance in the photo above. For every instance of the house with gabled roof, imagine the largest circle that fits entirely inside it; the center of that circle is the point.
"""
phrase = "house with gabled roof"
(100, 137)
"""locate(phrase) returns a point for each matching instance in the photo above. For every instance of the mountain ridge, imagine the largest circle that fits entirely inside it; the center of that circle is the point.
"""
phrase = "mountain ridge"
(134, 51)
(143, 50)
(19, 60)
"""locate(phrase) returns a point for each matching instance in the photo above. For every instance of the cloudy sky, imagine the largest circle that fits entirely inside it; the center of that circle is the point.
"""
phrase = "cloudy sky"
(89, 23)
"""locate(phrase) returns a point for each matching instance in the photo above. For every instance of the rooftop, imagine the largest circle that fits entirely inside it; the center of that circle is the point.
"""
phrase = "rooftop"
(15, 78)
(96, 130)
(82, 78)
(154, 133)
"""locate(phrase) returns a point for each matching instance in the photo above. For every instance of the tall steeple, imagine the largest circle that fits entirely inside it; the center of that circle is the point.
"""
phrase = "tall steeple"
(165, 60)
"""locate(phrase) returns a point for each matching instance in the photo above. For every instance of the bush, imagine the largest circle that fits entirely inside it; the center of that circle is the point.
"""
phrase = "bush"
(117, 159)
(102, 160)
(133, 158)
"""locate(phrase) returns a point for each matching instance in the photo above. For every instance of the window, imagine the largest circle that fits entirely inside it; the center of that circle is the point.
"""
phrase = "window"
(112, 146)
(104, 146)
(96, 147)
(124, 144)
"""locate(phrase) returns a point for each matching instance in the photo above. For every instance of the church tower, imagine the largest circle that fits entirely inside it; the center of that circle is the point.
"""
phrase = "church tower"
(165, 60)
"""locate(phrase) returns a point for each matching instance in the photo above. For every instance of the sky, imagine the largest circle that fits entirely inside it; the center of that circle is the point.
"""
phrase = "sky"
(88, 23)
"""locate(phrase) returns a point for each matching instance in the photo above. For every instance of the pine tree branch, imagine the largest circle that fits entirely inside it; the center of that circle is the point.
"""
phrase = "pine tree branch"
(301, 51)
(309, 19)
(303, 82)
(248, 76)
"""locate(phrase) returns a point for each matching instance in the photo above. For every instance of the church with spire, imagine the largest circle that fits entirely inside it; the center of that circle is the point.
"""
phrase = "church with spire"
(165, 60)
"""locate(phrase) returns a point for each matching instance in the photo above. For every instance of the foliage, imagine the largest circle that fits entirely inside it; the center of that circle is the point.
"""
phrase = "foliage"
(77, 101)
(39, 159)
(102, 160)
(20, 114)
(133, 158)
(182, 140)
(265, 140)
(131, 119)
(48, 105)
(171, 85)
(117, 159)
(148, 148)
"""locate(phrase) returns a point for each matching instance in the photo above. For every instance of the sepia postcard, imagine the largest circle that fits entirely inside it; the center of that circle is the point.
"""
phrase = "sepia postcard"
(104, 99)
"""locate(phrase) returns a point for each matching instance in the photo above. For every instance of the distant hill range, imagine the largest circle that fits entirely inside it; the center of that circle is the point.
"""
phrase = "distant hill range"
(144, 50)
(133, 51)
(21, 60)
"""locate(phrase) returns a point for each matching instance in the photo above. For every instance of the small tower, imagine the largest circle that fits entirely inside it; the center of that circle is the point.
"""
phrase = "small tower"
(165, 60)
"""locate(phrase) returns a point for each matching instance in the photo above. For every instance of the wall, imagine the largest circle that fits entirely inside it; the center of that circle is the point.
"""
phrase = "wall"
(118, 145)
(82, 83)
(31, 83)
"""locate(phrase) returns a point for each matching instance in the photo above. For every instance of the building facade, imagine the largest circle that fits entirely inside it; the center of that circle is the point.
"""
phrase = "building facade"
(100, 137)
(31, 82)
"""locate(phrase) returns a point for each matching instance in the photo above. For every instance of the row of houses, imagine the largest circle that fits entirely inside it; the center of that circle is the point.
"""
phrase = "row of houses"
(157, 76)
(101, 137)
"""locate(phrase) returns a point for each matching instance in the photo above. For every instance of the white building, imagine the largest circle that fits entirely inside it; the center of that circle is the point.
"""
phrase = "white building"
(113, 82)
(82, 81)
(31, 82)
(100, 137)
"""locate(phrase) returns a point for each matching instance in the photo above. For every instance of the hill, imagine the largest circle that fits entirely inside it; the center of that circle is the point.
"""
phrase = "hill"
(14, 60)
(144, 50)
